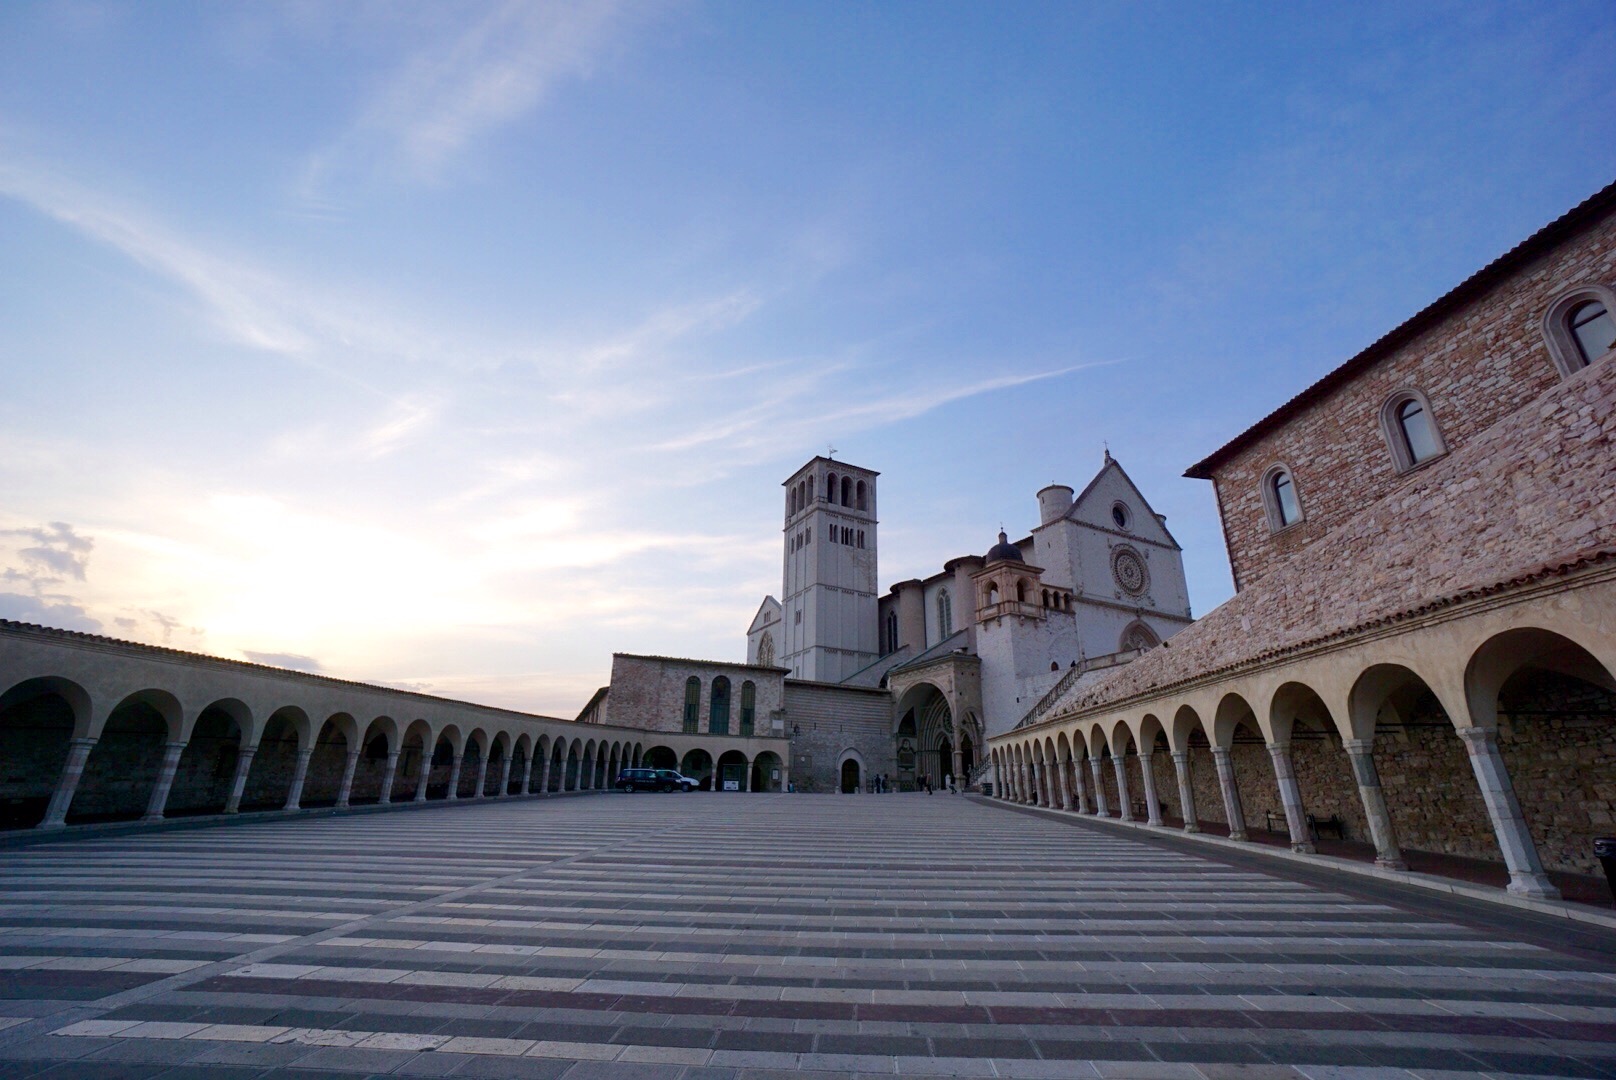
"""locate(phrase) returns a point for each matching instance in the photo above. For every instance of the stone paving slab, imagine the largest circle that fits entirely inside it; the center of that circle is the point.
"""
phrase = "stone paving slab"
(731, 937)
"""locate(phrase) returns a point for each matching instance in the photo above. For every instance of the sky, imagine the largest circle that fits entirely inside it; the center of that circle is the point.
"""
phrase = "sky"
(455, 346)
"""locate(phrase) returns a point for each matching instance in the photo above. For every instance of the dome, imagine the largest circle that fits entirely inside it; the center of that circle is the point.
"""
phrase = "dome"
(1004, 551)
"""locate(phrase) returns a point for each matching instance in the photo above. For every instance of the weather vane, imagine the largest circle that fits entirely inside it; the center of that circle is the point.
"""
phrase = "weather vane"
(830, 451)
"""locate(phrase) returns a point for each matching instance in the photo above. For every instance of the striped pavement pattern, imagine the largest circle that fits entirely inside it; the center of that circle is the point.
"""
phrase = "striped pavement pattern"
(710, 936)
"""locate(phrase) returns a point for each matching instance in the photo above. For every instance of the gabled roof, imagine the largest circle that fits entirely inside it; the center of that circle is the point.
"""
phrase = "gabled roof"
(1112, 465)
(769, 606)
(1579, 218)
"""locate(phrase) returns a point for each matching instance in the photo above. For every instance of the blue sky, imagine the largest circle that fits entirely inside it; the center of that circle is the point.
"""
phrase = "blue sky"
(455, 346)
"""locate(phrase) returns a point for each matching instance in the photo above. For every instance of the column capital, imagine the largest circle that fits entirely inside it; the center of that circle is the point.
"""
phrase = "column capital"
(1220, 751)
(1358, 746)
(85, 741)
(1181, 756)
(1478, 738)
(1277, 748)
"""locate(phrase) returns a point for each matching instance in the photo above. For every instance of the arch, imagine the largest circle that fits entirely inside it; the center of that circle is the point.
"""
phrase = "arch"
(557, 768)
(1021, 590)
(810, 495)
(586, 766)
(945, 614)
(692, 714)
(39, 718)
(698, 765)
(208, 763)
(1550, 705)
(859, 496)
(892, 633)
(1282, 498)
(287, 731)
(123, 766)
(1409, 426)
(791, 504)
(830, 488)
(499, 754)
(748, 708)
(329, 760)
(574, 762)
(1138, 635)
(1573, 328)
(850, 773)
(992, 594)
(415, 749)
(765, 656)
(847, 491)
(718, 707)
(521, 755)
(660, 757)
(731, 773)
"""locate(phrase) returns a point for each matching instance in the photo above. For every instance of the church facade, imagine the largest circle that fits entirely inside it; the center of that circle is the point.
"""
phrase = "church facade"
(965, 653)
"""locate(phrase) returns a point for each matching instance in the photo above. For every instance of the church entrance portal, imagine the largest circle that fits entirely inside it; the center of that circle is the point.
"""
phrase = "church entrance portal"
(850, 777)
(924, 746)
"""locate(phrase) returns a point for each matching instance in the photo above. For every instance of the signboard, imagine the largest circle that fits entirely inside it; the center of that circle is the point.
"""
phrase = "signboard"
(732, 785)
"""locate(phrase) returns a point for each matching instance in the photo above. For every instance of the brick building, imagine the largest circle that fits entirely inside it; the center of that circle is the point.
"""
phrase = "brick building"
(1420, 651)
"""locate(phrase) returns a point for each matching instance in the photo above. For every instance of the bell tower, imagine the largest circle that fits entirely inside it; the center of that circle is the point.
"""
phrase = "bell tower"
(828, 586)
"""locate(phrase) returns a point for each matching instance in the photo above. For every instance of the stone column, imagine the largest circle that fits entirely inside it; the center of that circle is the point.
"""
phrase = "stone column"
(387, 781)
(1186, 790)
(165, 781)
(1152, 802)
(505, 777)
(1361, 753)
(1231, 792)
(1081, 785)
(238, 785)
(527, 774)
(425, 773)
(345, 789)
(544, 776)
(1526, 876)
(78, 752)
(294, 797)
(1100, 809)
(1119, 765)
(746, 778)
(482, 777)
(998, 778)
(1063, 781)
(1290, 795)
(959, 770)
(454, 775)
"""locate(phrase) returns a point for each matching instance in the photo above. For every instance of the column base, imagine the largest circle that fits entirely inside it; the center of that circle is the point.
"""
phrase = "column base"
(1238, 836)
(1391, 863)
(150, 818)
(1190, 826)
(1535, 886)
(51, 825)
(1304, 849)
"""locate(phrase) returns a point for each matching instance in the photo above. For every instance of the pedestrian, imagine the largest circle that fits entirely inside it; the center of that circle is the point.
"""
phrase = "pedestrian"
(948, 783)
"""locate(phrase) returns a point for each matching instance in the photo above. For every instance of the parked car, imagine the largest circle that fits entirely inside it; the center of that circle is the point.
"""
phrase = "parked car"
(654, 780)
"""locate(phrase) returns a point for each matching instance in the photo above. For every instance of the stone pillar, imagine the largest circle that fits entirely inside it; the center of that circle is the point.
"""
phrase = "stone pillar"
(78, 752)
(959, 770)
(1361, 753)
(165, 781)
(1231, 792)
(424, 774)
(1526, 876)
(527, 774)
(1152, 801)
(1063, 782)
(238, 785)
(482, 777)
(746, 778)
(1081, 785)
(294, 797)
(1100, 809)
(1119, 765)
(505, 776)
(1186, 790)
(454, 775)
(1290, 795)
(544, 776)
(387, 781)
(345, 789)
(998, 778)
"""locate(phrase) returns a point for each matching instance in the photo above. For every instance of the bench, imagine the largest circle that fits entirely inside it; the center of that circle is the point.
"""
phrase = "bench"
(1331, 824)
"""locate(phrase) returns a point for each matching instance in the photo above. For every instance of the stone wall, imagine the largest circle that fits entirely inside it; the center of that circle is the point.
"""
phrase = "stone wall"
(1475, 367)
(1557, 735)
(1429, 785)
(648, 692)
(824, 719)
(33, 746)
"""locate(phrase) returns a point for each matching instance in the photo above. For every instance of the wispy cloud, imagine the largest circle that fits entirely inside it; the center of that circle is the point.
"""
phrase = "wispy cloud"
(468, 84)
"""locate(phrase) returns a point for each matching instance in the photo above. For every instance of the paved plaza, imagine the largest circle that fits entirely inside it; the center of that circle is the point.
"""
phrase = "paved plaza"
(703, 937)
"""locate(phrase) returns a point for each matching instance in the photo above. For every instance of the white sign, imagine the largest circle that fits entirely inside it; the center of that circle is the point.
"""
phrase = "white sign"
(732, 785)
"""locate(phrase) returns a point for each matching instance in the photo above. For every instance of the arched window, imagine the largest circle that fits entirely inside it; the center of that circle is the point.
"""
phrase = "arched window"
(718, 709)
(847, 491)
(1410, 429)
(766, 650)
(810, 489)
(748, 706)
(1021, 592)
(861, 538)
(791, 504)
(892, 632)
(860, 494)
(830, 488)
(692, 705)
(945, 614)
(1280, 499)
(1139, 636)
(1579, 328)
(993, 593)
(1046, 597)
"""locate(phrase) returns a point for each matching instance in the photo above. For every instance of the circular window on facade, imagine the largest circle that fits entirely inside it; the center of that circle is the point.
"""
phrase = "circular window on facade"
(1129, 570)
(1120, 515)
